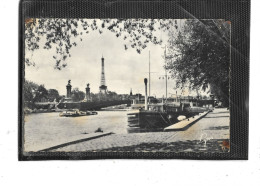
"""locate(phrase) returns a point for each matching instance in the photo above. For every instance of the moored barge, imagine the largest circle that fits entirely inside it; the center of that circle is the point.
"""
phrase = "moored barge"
(162, 115)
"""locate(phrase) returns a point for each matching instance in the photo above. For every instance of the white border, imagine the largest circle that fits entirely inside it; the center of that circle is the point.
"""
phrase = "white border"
(116, 172)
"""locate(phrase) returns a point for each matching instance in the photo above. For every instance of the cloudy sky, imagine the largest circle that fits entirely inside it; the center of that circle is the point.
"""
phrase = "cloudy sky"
(124, 69)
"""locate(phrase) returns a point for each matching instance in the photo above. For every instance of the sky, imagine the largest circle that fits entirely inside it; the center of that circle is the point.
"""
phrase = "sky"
(124, 69)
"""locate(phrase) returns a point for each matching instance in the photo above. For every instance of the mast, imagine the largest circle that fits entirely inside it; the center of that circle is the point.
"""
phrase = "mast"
(149, 75)
(165, 73)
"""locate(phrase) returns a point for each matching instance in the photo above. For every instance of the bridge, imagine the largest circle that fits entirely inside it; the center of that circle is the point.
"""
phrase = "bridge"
(92, 105)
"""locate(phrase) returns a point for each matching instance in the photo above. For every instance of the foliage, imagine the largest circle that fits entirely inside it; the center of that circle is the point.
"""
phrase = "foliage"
(29, 90)
(77, 95)
(53, 95)
(94, 97)
(34, 93)
(63, 34)
(40, 93)
(200, 56)
(198, 51)
(112, 95)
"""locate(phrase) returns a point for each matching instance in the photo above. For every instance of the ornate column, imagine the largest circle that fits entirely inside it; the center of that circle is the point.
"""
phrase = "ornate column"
(88, 92)
(69, 89)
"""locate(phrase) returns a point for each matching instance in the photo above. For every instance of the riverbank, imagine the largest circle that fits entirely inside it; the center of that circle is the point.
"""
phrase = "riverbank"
(206, 135)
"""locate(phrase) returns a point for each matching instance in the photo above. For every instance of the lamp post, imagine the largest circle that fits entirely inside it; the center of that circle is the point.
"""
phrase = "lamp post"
(145, 83)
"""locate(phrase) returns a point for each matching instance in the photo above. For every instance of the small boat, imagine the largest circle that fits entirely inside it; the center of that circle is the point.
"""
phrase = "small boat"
(91, 113)
(76, 113)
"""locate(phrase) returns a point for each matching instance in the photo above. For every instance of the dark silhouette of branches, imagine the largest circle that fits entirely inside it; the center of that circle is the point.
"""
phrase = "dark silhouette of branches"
(63, 34)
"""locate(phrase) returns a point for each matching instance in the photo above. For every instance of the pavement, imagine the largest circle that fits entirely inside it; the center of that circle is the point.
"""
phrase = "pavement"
(205, 135)
(184, 124)
(61, 142)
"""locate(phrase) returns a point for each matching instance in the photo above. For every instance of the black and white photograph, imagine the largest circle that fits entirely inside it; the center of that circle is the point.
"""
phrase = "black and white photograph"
(126, 85)
(129, 92)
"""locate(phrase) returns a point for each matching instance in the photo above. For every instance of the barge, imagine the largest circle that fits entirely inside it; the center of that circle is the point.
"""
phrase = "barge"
(162, 115)
(76, 113)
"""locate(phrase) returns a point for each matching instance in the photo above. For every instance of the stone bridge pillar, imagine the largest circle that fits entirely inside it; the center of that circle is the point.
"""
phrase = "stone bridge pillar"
(69, 89)
(88, 92)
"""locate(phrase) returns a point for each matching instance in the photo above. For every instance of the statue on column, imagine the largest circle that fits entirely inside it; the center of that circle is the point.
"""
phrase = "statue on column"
(68, 87)
(87, 93)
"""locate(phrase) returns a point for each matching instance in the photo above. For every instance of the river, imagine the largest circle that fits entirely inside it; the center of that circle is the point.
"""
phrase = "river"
(42, 129)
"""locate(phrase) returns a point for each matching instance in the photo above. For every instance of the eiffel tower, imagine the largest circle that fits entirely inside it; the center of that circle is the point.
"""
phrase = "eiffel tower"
(103, 87)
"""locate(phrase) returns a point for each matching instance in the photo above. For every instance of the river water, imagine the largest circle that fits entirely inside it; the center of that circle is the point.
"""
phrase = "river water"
(41, 129)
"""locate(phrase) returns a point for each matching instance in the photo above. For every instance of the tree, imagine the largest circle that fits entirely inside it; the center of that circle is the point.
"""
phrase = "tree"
(198, 51)
(112, 95)
(77, 95)
(40, 93)
(63, 34)
(94, 97)
(53, 94)
(29, 92)
(199, 55)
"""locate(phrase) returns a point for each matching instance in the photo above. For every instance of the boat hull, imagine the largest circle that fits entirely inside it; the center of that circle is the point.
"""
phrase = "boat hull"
(155, 119)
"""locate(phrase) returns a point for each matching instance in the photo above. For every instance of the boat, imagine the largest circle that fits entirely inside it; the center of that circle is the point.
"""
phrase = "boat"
(161, 115)
(139, 102)
(76, 113)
